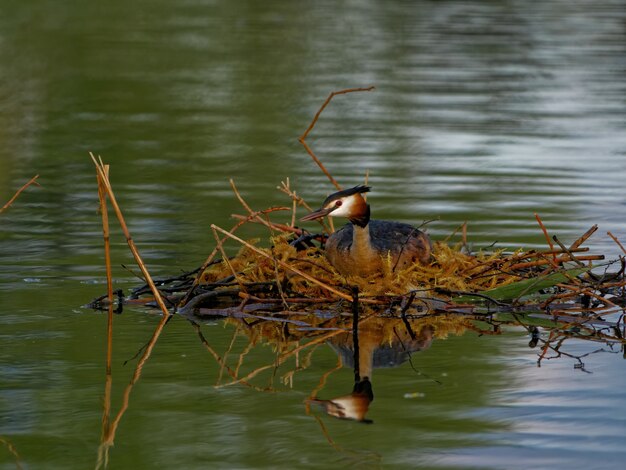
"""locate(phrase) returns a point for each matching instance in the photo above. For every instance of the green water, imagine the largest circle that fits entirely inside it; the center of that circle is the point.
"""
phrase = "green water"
(485, 112)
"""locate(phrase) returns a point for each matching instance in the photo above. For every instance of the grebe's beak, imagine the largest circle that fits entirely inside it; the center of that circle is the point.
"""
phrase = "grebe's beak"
(318, 214)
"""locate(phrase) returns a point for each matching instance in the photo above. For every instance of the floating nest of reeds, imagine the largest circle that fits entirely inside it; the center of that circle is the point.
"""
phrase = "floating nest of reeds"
(293, 274)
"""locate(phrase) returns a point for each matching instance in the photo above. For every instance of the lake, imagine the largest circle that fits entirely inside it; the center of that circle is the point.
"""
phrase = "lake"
(483, 112)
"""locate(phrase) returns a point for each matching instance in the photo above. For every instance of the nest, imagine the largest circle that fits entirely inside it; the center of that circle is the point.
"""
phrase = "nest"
(292, 275)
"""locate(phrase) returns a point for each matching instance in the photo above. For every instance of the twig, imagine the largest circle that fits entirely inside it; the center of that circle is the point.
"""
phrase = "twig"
(225, 258)
(256, 215)
(616, 241)
(545, 348)
(274, 225)
(209, 259)
(285, 187)
(302, 138)
(283, 264)
(268, 224)
(100, 167)
(583, 238)
(545, 232)
(490, 264)
(542, 262)
(19, 191)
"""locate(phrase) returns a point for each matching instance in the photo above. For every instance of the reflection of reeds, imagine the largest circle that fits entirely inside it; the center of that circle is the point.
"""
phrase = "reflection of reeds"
(13, 451)
(109, 428)
(106, 408)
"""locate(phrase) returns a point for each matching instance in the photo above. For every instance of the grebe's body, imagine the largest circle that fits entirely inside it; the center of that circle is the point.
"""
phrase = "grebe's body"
(361, 247)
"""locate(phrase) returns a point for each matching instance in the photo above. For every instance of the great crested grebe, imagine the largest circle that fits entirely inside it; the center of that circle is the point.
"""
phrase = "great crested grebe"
(360, 247)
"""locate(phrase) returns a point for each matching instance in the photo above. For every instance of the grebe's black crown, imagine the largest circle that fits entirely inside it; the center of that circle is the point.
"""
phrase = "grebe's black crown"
(346, 192)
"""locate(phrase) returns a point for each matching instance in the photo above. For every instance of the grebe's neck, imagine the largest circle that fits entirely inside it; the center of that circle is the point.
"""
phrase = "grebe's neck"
(365, 258)
(361, 219)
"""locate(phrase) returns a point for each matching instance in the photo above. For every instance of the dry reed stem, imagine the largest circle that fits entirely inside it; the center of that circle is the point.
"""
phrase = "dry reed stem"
(294, 207)
(256, 215)
(211, 256)
(226, 260)
(293, 300)
(569, 253)
(561, 296)
(109, 438)
(283, 264)
(19, 191)
(267, 224)
(106, 410)
(454, 232)
(302, 138)
(609, 285)
(131, 244)
(277, 281)
(108, 383)
(616, 241)
(491, 264)
(297, 200)
(276, 226)
(286, 188)
(105, 231)
(604, 300)
(464, 235)
(107, 261)
(545, 233)
(583, 238)
(555, 267)
(543, 262)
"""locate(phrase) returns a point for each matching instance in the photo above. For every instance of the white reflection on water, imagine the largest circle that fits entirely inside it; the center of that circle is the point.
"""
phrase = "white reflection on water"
(554, 415)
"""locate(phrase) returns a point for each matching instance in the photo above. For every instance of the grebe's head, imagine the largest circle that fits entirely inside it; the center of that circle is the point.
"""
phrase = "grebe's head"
(347, 203)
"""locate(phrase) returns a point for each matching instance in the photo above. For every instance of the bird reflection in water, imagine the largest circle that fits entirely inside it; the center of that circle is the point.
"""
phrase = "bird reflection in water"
(369, 349)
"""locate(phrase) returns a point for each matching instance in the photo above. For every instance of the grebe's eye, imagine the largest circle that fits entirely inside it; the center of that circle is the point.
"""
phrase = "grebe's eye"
(338, 203)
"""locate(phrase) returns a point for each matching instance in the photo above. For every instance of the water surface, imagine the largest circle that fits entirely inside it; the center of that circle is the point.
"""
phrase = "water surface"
(485, 112)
